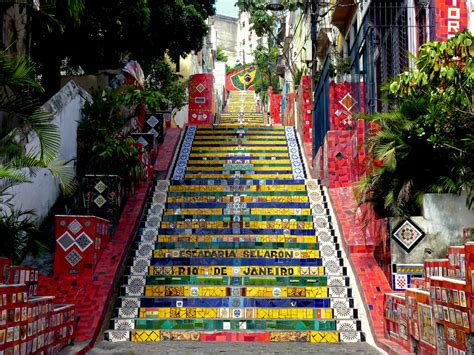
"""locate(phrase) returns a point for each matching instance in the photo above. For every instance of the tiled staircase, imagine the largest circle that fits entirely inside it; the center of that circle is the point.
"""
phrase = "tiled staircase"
(237, 246)
(241, 109)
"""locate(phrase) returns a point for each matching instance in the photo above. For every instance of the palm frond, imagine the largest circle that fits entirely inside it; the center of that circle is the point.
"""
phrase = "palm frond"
(65, 174)
(10, 177)
(17, 73)
(48, 133)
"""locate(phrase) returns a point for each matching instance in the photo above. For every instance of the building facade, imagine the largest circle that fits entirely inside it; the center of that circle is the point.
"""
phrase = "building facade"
(226, 36)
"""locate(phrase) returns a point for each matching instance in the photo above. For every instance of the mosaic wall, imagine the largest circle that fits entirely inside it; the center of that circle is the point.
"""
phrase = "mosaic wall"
(80, 241)
(201, 99)
(30, 324)
(305, 108)
(451, 17)
(337, 158)
(102, 196)
(275, 106)
(436, 315)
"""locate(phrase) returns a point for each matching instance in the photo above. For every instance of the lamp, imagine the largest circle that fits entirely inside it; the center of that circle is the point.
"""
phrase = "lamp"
(275, 5)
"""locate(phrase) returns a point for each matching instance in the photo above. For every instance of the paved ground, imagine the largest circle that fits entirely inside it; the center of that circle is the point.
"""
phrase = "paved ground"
(184, 348)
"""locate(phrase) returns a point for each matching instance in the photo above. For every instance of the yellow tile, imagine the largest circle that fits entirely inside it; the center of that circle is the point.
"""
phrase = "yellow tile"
(200, 313)
(146, 335)
(154, 291)
(324, 337)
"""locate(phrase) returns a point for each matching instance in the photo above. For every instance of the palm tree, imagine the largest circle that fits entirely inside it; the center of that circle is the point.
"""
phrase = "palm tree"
(23, 119)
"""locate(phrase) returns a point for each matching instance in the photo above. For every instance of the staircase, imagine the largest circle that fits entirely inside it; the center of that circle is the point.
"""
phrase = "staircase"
(237, 246)
(241, 109)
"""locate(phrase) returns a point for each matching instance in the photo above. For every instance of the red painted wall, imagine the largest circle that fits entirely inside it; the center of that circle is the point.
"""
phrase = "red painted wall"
(201, 99)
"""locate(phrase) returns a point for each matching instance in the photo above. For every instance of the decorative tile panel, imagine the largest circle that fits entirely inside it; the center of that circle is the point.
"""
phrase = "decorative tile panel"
(407, 234)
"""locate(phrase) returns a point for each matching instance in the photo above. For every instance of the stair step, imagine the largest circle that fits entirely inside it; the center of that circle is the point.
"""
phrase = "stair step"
(343, 303)
(194, 310)
(238, 245)
(235, 336)
(241, 291)
(266, 238)
(336, 281)
(235, 245)
(241, 323)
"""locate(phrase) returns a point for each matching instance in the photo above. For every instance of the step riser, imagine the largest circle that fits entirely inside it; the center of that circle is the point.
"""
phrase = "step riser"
(343, 304)
(335, 281)
(249, 291)
(191, 312)
(237, 319)
(228, 336)
(143, 269)
(136, 302)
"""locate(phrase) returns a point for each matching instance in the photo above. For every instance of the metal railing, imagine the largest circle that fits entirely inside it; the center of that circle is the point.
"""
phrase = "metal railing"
(321, 122)
(379, 51)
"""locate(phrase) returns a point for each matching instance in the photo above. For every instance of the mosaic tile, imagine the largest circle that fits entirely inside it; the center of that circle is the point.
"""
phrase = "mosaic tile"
(324, 337)
(237, 246)
(407, 234)
(146, 335)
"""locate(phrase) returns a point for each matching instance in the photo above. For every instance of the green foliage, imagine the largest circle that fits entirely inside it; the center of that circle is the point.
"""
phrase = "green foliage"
(117, 156)
(426, 144)
(164, 90)
(24, 118)
(19, 236)
(221, 56)
(299, 72)
(266, 61)
(105, 114)
(262, 20)
(102, 146)
(104, 34)
(235, 67)
(173, 87)
(153, 99)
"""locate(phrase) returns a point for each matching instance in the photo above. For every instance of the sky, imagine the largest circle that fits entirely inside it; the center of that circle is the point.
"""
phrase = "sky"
(227, 8)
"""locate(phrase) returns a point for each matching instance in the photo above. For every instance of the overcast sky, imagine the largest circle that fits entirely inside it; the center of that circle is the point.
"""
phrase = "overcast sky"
(226, 7)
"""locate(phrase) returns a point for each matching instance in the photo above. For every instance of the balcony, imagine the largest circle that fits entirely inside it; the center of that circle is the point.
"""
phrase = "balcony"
(342, 14)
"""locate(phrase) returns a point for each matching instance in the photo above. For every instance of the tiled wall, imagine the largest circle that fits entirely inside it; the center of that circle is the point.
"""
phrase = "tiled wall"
(201, 99)
(344, 154)
(305, 108)
(338, 158)
(28, 323)
(451, 17)
(438, 315)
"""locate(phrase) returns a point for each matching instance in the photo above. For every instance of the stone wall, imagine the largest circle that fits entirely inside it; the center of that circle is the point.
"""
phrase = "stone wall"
(443, 220)
(43, 191)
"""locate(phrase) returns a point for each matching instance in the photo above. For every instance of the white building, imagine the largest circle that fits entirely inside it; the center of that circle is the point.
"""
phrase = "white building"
(247, 40)
(226, 36)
